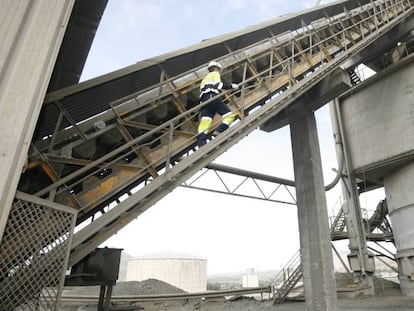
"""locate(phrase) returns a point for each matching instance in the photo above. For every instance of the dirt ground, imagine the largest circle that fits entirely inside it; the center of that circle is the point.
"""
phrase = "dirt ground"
(387, 298)
(388, 303)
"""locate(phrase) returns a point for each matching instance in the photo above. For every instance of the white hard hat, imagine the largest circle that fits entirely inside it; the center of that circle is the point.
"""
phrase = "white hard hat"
(213, 64)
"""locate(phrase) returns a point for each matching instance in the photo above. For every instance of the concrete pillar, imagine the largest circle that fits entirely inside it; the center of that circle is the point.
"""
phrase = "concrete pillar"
(31, 33)
(399, 189)
(315, 239)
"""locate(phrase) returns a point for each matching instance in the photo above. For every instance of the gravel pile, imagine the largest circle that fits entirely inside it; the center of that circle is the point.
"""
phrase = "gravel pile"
(147, 287)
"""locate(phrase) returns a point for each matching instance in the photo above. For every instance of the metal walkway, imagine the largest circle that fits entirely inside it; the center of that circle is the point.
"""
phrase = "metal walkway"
(109, 147)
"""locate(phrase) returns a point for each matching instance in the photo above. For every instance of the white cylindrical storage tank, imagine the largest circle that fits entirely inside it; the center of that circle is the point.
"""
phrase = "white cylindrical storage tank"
(185, 271)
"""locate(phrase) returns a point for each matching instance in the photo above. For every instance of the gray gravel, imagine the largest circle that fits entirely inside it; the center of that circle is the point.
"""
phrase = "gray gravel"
(388, 298)
(147, 287)
(390, 303)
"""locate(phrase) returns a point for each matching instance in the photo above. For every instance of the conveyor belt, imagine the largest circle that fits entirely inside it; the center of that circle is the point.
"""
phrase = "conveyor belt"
(88, 160)
(87, 99)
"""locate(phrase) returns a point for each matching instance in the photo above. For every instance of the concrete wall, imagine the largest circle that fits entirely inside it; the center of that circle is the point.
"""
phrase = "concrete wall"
(31, 33)
(379, 128)
(185, 273)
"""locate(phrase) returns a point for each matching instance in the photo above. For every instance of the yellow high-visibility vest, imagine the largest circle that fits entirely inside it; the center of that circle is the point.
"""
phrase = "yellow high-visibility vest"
(211, 84)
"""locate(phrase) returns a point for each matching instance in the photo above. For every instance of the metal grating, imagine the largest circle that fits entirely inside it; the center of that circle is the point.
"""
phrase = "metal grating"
(34, 253)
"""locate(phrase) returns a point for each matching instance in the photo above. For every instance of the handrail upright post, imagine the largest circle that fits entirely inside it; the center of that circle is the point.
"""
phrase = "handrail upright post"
(169, 148)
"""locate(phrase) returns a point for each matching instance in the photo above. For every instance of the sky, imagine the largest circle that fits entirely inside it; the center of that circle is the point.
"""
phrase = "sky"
(232, 233)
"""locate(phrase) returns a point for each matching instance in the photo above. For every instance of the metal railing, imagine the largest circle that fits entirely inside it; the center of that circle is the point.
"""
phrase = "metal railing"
(287, 278)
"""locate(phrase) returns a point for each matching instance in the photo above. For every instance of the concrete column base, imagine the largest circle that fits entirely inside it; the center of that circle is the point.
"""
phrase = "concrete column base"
(399, 189)
(405, 260)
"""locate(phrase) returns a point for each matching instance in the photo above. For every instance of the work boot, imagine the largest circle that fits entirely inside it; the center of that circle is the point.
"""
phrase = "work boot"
(222, 127)
(201, 139)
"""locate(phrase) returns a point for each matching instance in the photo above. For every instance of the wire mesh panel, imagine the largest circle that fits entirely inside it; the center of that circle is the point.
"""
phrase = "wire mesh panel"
(33, 254)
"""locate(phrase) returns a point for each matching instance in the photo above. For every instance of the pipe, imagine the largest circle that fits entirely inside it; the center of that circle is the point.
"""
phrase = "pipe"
(338, 144)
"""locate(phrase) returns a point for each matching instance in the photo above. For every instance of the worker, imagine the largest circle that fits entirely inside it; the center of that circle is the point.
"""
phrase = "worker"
(210, 87)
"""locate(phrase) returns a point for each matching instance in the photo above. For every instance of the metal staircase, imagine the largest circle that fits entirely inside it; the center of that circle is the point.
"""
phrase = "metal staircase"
(291, 273)
(338, 225)
(286, 280)
(377, 227)
(355, 79)
(113, 164)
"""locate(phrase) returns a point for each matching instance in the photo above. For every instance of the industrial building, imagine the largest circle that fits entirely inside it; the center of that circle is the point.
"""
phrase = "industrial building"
(250, 279)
